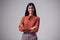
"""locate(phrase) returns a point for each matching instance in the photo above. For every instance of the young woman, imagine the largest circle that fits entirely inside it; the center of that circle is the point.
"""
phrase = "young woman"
(29, 24)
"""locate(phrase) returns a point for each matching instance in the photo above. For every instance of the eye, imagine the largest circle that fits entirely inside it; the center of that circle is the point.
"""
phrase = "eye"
(28, 8)
(31, 7)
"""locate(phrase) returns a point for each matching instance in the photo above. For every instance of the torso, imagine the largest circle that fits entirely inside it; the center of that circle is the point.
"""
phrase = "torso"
(31, 22)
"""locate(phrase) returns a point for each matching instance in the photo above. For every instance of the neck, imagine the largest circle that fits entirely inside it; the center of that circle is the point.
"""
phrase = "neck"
(30, 14)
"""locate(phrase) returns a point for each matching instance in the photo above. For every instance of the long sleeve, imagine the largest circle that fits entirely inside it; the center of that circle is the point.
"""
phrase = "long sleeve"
(21, 23)
(22, 27)
(37, 26)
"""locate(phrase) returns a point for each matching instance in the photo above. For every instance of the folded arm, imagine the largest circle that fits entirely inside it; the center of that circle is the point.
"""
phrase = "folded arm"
(36, 26)
(21, 26)
(31, 30)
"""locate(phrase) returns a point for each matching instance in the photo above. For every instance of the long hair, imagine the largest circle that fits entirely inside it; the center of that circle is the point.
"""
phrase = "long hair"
(27, 13)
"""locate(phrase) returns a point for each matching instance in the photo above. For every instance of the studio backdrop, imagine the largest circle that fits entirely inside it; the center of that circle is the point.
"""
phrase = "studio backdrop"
(13, 10)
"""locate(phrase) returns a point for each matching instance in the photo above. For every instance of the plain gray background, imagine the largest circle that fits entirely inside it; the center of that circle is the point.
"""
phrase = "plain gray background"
(13, 10)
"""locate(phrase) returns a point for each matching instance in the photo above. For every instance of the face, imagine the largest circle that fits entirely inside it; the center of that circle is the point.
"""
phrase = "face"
(30, 9)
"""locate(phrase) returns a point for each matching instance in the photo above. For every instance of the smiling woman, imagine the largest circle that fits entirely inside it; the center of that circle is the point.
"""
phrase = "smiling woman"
(29, 24)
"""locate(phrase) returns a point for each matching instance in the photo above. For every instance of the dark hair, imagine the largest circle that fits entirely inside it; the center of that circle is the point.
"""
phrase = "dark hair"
(27, 13)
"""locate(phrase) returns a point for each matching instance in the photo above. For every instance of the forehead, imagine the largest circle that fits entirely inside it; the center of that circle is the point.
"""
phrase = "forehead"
(30, 6)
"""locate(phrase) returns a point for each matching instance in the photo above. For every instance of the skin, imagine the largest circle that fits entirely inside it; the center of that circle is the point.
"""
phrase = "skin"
(30, 10)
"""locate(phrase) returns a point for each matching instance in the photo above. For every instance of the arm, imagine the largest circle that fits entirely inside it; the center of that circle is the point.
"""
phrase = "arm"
(35, 28)
(21, 26)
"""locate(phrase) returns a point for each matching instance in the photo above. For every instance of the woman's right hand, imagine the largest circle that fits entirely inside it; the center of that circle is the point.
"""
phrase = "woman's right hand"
(21, 27)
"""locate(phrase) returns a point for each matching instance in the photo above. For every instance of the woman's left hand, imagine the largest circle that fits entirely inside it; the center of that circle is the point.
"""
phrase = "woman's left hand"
(31, 28)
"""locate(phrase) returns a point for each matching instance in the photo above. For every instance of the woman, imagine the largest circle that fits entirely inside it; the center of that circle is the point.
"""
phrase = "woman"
(29, 24)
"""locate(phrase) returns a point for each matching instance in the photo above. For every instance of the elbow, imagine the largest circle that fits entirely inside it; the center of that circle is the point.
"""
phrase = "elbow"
(20, 28)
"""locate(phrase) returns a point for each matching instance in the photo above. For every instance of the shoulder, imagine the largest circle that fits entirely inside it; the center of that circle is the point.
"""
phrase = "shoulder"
(24, 17)
(37, 17)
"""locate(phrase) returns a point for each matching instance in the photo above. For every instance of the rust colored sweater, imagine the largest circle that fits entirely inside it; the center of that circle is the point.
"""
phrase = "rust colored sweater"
(29, 22)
